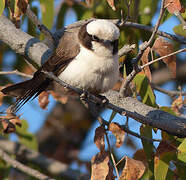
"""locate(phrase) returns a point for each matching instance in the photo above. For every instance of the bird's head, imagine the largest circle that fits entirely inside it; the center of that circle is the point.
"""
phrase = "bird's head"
(100, 36)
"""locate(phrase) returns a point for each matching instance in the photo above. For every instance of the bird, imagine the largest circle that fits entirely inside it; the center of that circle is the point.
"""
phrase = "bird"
(86, 57)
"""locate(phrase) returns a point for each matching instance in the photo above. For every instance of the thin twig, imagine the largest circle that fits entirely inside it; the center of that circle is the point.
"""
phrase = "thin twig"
(115, 166)
(15, 72)
(111, 155)
(160, 58)
(126, 49)
(182, 20)
(40, 25)
(22, 167)
(127, 130)
(168, 92)
(143, 47)
(150, 29)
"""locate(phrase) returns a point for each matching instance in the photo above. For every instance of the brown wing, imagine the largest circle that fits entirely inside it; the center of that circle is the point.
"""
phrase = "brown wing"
(66, 50)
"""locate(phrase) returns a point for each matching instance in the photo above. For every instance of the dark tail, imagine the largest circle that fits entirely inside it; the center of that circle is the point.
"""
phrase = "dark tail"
(26, 90)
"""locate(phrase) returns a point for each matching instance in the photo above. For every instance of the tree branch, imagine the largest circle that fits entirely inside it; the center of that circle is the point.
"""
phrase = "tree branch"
(28, 46)
(133, 108)
(53, 167)
(38, 52)
(22, 167)
(15, 72)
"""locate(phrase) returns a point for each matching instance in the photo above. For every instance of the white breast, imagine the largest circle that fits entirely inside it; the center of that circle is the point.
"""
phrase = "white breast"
(91, 72)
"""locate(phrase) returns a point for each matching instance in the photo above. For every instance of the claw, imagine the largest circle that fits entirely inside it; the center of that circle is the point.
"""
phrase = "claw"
(104, 100)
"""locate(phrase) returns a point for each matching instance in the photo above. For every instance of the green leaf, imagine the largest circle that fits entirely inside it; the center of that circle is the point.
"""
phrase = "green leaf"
(5, 169)
(162, 164)
(47, 10)
(145, 90)
(168, 109)
(182, 151)
(82, 12)
(61, 15)
(180, 167)
(25, 137)
(179, 30)
(148, 148)
(2, 6)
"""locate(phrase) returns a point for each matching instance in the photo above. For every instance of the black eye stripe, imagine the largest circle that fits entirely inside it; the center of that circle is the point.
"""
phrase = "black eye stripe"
(95, 38)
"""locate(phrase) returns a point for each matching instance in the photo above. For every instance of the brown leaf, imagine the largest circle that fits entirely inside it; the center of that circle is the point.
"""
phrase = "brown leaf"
(163, 48)
(163, 150)
(22, 4)
(101, 167)
(184, 101)
(141, 156)
(99, 138)
(118, 132)
(19, 9)
(133, 169)
(145, 60)
(89, 2)
(59, 97)
(164, 147)
(28, 70)
(110, 175)
(9, 122)
(173, 6)
(1, 98)
(177, 104)
(43, 99)
(111, 4)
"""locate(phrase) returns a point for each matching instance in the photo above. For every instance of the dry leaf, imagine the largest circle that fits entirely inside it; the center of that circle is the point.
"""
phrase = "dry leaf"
(61, 98)
(9, 122)
(184, 102)
(89, 2)
(177, 104)
(164, 147)
(43, 99)
(99, 138)
(19, 9)
(22, 4)
(110, 175)
(111, 4)
(141, 156)
(118, 132)
(1, 98)
(173, 6)
(28, 70)
(145, 60)
(101, 167)
(133, 169)
(163, 48)
(162, 150)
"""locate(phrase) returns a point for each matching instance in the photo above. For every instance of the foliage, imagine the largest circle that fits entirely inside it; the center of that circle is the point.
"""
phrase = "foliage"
(150, 162)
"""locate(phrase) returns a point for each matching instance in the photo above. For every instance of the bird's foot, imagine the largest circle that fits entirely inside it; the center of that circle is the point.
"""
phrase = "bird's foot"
(104, 101)
(84, 95)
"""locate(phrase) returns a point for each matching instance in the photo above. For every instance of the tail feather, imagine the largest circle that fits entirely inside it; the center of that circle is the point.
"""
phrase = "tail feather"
(27, 90)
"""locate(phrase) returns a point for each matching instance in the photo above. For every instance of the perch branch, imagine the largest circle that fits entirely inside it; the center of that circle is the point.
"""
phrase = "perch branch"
(37, 51)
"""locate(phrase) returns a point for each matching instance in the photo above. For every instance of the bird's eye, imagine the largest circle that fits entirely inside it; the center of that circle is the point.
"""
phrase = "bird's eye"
(95, 38)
